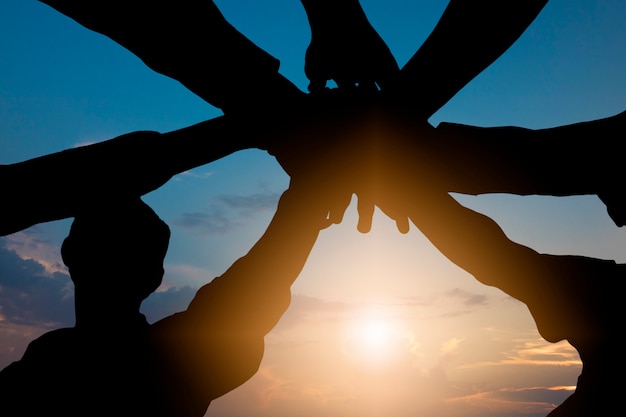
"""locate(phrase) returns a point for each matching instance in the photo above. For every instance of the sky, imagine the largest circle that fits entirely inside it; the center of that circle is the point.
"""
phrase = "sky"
(381, 323)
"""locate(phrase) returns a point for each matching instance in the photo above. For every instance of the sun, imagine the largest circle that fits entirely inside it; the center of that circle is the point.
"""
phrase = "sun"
(374, 340)
(375, 335)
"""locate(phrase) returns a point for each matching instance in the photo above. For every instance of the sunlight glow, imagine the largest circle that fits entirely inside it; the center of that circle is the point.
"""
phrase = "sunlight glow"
(375, 340)
(375, 334)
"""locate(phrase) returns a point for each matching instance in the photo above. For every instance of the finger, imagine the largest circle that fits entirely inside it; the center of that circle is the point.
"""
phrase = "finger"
(365, 208)
(338, 208)
(402, 224)
(325, 224)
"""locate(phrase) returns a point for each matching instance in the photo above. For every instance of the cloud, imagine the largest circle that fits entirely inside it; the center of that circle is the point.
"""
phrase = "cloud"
(536, 352)
(30, 294)
(450, 347)
(251, 203)
(226, 213)
(165, 303)
(305, 310)
(212, 222)
(29, 244)
(195, 174)
(533, 401)
(469, 299)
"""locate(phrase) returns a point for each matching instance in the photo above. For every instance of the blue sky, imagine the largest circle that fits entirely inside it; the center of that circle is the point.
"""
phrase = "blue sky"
(452, 344)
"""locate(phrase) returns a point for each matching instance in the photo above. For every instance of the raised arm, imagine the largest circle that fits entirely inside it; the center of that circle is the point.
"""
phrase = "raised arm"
(218, 342)
(470, 36)
(514, 160)
(191, 42)
(564, 294)
(345, 47)
(136, 163)
(129, 165)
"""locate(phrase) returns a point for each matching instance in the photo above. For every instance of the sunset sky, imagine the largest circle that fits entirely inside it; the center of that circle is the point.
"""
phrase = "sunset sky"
(380, 324)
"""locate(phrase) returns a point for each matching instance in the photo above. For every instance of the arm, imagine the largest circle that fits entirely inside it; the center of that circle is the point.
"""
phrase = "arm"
(132, 164)
(469, 37)
(255, 290)
(345, 47)
(514, 160)
(566, 295)
(137, 163)
(218, 342)
(191, 42)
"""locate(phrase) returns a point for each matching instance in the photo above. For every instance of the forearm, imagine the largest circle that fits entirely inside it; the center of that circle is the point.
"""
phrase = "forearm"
(55, 186)
(255, 290)
(479, 160)
(469, 37)
(191, 42)
(524, 161)
(477, 244)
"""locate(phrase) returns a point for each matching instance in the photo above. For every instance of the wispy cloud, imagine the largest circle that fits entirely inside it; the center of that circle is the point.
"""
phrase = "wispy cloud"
(227, 212)
(514, 401)
(536, 352)
(250, 203)
(305, 310)
(195, 174)
(469, 299)
(161, 304)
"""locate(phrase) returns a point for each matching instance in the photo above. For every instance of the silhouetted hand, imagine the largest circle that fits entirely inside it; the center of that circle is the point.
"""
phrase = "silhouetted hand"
(394, 168)
(322, 150)
(320, 171)
(318, 128)
(345, 47)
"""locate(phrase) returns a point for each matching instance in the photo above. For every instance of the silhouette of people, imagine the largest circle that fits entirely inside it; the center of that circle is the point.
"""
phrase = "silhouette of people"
(345, 47)
(114, 362)
(191, 42)
(571, 298)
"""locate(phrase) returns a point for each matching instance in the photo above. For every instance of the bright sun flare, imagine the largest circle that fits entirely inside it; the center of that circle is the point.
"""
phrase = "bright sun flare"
(375, 334)
(374, 341)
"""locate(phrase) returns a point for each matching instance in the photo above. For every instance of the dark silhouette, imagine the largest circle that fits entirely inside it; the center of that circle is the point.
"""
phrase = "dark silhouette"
(474, 160)
(137, 163)
(191, 42)
(345, 47)
(375, 143)
(114, 362)
(512, 160)
(571, 298)
(109, 169)
(469, 36)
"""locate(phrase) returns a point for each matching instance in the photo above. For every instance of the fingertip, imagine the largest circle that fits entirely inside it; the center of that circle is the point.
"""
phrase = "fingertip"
(364, 226)
(335, 218)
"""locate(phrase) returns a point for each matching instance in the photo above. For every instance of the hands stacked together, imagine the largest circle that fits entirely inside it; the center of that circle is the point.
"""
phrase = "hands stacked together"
(373, 153)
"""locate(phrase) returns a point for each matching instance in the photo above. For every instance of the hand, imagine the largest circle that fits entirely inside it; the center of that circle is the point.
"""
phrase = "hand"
(398, 169)
(325, 204)
(345, 47)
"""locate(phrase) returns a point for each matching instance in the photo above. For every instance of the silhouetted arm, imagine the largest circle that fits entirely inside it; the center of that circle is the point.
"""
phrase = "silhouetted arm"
(470, 36)
(567, 295)
(189, 41)
(218, 342)
(479, 160)
(55, 186)
(345, 47)
(256, 288)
